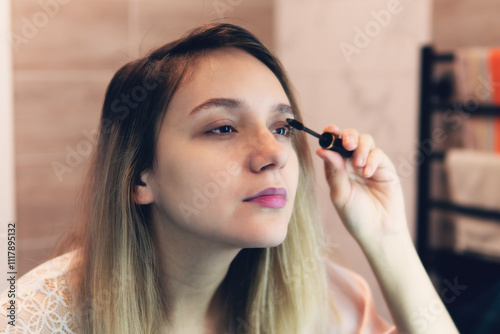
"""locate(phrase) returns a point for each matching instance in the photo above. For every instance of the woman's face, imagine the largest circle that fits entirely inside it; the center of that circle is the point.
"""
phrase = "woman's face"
(226, 170)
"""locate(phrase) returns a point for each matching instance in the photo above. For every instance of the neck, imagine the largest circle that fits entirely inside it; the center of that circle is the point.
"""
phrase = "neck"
(193, 271)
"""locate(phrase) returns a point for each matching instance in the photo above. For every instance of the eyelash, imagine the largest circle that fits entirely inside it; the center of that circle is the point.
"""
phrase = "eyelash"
(288, 130)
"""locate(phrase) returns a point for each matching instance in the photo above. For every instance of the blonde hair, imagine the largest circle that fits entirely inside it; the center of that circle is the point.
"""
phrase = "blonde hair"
(116, 279)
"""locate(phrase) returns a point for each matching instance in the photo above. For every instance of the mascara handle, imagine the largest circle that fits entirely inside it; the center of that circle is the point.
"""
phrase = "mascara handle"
(332, 143)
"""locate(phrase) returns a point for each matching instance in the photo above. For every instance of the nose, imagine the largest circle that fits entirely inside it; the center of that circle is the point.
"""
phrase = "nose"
(265, 152)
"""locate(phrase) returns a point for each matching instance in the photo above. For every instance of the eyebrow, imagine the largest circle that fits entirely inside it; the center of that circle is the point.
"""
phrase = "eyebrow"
(235, 104)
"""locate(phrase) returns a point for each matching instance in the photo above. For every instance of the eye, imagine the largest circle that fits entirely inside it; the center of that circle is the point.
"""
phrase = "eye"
(284, 131)
(223, 129)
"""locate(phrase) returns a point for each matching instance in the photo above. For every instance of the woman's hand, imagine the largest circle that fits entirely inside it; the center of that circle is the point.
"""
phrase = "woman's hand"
(367, 194)
(365, 189)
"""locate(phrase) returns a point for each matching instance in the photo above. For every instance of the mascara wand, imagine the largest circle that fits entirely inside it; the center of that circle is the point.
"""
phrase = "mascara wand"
(326, 140)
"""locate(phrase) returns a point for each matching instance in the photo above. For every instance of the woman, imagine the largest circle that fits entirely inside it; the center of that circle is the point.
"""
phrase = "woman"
(201, 215)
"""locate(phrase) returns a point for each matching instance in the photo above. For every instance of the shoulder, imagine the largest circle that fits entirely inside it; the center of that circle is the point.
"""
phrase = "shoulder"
(353, 301)
(41, 302)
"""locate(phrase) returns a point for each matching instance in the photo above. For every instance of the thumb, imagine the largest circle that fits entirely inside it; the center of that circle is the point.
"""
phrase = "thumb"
(337, 176)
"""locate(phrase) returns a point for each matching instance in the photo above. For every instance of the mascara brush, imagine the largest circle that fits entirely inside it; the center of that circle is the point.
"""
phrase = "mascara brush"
(326, 140)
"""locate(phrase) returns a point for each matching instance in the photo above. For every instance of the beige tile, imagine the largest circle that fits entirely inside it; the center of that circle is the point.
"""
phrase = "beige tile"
(383, 106)
(50, 115)
(256, 16)
(51, 118)
(164, 21)
(82, 34)
(46, 205)
(331, 35)
(465, 23)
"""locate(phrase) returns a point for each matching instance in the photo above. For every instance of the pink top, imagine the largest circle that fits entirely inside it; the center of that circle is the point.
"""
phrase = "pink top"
(43, 302)
(354, 302)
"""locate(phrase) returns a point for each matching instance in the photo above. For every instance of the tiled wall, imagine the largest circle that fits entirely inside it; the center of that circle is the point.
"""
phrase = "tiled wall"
(465, 23)
(65, 52)
(355, 64)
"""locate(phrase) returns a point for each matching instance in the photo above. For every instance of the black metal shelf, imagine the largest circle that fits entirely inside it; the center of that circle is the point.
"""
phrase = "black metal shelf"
(429, 106)
(465, 259)
(478, 110)
(478, 273)
(465, 210)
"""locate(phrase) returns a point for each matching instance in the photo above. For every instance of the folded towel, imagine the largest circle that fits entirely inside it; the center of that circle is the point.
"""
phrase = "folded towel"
(472, 75)
(477, 74)
(479, 134)
(478, 236)
(474, 178)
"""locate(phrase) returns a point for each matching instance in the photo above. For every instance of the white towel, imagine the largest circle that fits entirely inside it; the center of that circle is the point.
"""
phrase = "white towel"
(478, 236)
(472, 75)
(474, 180)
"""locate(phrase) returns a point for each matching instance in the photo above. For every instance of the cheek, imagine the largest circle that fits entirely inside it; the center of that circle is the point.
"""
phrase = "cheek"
(195, 185)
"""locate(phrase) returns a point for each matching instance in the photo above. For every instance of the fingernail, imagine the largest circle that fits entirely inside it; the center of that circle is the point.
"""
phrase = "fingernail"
(360, 161)
(348, 139)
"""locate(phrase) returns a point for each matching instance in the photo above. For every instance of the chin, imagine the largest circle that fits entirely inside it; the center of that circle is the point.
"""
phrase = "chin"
(263, 238)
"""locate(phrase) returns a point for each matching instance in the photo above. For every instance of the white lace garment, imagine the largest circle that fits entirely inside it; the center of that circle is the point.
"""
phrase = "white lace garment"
(42, 301)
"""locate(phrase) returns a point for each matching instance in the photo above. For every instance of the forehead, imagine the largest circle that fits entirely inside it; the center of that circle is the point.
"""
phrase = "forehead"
(228, 72)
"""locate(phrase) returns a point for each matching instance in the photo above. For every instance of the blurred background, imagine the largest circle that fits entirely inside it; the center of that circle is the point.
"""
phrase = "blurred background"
(353, 63)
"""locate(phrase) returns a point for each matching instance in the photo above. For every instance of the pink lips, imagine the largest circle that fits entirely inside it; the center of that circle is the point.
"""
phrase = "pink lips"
(269, 198)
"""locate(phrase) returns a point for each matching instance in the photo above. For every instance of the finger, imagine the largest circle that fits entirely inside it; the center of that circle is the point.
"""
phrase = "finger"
(379, 167)
(373, 162)
(349, 139)
(365, 145)
(337, 176)
(385, 170)
(332, 128)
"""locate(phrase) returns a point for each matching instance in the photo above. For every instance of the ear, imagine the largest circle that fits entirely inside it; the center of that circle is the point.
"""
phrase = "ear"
(142, 190)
